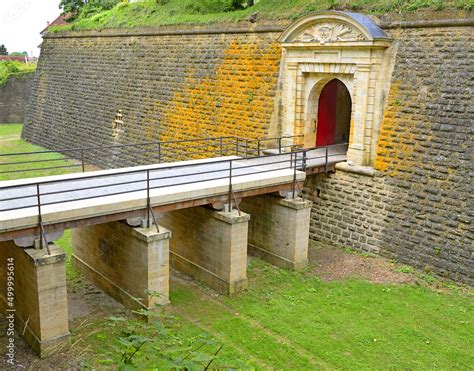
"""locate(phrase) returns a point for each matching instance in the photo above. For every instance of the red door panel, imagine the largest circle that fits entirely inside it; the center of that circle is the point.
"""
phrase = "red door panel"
(327, 114)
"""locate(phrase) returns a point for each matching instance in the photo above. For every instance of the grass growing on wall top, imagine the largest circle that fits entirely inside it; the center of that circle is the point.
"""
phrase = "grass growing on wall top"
(172, 12)
(14, 68)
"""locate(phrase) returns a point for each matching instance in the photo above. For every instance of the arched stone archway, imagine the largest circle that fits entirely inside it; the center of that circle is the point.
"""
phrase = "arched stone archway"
(329, 112)
(348, 47)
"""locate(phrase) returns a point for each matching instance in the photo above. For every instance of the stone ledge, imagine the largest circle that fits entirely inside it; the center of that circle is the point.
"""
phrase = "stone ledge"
(231, 218)
(40, 257)
(356, 169)
(296, 204)
(151, 234)
(173, 30)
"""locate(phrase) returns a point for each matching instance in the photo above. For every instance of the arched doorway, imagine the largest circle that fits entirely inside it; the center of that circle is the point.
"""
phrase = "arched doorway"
(334, 114)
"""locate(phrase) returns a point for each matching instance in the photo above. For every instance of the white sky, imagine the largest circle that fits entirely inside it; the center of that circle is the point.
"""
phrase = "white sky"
(21, 21)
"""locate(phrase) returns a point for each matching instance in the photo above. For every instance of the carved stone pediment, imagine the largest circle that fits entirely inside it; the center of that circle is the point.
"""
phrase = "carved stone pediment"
(329, 32)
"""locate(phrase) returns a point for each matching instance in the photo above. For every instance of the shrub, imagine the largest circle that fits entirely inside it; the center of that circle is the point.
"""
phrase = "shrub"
(214, 6)
(8, 68)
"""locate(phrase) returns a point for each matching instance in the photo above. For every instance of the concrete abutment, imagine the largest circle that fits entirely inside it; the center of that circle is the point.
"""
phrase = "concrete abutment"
(33, 295)
(129, 264)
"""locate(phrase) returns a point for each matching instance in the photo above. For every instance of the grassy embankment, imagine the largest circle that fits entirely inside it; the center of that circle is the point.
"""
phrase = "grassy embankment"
(14, 68)
(285, 320)
(10, 142)
(172, 12)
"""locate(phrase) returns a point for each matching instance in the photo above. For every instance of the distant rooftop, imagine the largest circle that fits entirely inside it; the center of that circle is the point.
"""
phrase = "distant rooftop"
(60, 21)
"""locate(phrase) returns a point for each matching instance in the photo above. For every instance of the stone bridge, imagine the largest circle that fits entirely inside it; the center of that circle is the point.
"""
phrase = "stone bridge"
(129, 224)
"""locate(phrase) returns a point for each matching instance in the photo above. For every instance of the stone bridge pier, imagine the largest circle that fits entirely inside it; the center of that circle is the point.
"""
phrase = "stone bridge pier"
(131, 264)
(211, 246)
(279, 230)
(33, 296)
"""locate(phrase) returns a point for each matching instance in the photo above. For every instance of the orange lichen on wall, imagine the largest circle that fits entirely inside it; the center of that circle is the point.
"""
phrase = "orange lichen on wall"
(236, 101)
(394, 146)
(351, 130)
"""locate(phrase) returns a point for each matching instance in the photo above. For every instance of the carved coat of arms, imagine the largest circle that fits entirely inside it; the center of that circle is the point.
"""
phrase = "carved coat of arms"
(329, 32)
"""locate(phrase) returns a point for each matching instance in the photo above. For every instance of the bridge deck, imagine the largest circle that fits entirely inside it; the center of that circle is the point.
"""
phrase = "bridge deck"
(95, 194)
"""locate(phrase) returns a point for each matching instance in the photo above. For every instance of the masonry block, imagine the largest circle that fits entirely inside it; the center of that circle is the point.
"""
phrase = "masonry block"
(279, 230)
(129, 264)
(210, 246)
(37, 301)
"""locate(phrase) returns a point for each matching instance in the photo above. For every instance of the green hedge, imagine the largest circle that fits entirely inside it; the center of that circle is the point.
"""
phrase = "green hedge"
(14, 68)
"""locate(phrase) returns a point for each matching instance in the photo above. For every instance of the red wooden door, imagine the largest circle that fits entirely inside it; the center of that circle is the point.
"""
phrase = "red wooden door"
(327, 114)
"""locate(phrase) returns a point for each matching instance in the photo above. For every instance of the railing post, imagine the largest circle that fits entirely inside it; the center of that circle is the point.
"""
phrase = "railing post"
(246, 148)
(304, 160)
(159, 152)
(82, 160)
(40, 217)
(220, 147)
(327, 158)
(148, 198)
(258, 148)
(279, 145)
(40, 221)
(230, 186)
(237, 146)
(294, 174)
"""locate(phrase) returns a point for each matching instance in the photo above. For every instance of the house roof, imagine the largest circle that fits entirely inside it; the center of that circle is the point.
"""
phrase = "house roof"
(59, 21)
(19, 58)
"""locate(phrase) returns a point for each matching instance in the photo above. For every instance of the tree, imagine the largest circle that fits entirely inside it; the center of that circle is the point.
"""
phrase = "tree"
(3, 50)
(242, 4)
(85, 8)
(72, 7)
(19, 54)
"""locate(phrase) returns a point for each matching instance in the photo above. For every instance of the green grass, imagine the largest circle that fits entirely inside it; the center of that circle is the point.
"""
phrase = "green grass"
(9, 129)
(14, 68)
(149, 13)
(290, 320)
(10, 142)
(286, 320)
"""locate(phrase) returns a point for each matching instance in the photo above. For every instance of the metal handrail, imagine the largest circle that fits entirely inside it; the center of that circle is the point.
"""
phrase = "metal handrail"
(224, 144)
(297, 161)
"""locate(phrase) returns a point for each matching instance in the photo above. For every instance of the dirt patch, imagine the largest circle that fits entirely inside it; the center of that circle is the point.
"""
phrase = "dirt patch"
(332, 263)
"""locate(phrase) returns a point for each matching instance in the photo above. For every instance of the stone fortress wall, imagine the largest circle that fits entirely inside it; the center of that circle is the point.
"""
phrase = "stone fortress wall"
(170, 84)
(416, 207)
(414, 204)
(14, 96)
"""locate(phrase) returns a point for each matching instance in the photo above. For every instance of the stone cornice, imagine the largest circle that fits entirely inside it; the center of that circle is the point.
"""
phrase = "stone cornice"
(226, 29)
